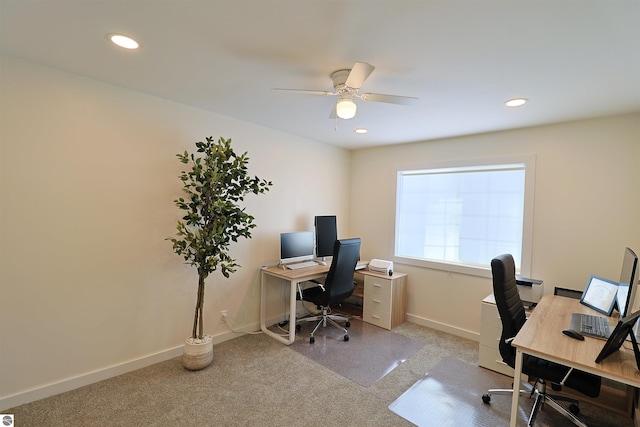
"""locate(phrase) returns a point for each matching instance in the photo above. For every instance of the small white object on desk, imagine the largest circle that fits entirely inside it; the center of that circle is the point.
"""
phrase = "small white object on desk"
(381, 266)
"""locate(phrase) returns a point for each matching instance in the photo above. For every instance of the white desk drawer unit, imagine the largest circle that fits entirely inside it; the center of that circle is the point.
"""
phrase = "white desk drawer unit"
(384, 299)
(490, 331)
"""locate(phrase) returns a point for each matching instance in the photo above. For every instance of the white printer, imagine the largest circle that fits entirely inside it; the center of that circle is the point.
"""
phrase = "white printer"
(381, 266)
(530, 290)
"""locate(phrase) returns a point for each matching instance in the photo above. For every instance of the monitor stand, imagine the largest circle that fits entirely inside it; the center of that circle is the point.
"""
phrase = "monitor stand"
(636, 350)
(322, 261)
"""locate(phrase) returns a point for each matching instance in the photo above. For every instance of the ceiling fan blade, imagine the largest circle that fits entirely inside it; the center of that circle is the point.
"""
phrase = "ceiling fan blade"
(389, 99)
(358, 74)
(307, 92)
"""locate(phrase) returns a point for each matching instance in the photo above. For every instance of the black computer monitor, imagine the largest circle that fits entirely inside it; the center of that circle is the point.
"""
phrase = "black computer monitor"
(623, 329)
(627, 289)
(296, 246)
(326, 235)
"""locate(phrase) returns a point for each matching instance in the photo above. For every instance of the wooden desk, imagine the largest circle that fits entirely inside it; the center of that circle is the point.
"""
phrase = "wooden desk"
(384, 296)
(542, 336)
(294, 277)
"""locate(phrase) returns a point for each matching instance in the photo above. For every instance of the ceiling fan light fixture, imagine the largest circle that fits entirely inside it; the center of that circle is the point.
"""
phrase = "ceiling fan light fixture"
(346, 108)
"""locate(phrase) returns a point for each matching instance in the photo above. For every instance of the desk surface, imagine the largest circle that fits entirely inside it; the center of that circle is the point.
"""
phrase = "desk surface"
(289, 274)
(542, 336)
(307, 272)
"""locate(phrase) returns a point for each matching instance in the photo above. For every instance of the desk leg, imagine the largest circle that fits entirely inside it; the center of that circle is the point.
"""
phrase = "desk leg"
(516, 388)
(292, 312)
(263, 303)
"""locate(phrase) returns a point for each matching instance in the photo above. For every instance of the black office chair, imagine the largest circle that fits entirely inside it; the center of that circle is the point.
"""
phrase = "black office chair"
(337, 287)
(512, 316)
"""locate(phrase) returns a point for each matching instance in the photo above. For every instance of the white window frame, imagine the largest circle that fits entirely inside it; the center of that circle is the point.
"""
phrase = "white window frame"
(527, 226)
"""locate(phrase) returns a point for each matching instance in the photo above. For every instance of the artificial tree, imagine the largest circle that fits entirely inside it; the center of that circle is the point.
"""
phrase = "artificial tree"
(215, 183)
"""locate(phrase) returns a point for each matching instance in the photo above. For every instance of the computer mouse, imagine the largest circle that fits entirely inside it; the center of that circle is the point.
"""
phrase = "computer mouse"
(573, 334)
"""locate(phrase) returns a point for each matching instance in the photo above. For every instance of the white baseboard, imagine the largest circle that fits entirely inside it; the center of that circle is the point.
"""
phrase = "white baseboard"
(99, 375)
(453, 330)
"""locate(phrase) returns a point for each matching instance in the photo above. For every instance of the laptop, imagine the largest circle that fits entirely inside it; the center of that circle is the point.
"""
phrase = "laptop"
(600, 295)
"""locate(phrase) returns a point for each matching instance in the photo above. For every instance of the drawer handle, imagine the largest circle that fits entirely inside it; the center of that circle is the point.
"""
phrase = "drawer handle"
(377, 285)
(376, 300)
(375, 317)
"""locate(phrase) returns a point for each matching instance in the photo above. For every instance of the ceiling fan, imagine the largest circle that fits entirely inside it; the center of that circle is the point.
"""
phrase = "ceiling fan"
(346, 84)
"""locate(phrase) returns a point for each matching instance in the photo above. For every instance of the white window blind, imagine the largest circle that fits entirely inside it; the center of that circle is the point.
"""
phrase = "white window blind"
(462, 215)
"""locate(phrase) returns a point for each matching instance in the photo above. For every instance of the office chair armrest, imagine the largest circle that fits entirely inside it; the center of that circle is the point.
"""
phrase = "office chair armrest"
(315, 282)
(566, 376)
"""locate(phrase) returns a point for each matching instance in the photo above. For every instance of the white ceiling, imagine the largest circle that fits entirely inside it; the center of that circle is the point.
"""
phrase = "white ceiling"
(462, 58)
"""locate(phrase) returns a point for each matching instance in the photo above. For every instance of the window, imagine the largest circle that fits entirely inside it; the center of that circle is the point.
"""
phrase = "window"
(459, 218)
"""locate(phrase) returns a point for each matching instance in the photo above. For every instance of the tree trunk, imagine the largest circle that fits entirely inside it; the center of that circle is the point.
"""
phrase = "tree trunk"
(198, 325)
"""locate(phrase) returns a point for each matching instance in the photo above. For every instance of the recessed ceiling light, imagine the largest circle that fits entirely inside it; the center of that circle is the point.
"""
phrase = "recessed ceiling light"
(516, 102)
(123, 41)
(360, 130)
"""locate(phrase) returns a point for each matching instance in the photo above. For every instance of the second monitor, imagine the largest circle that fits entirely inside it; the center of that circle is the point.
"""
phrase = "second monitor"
(326, 235)
(627, 288)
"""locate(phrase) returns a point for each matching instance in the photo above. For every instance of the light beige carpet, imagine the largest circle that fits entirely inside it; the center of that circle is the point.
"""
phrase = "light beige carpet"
(370, 354)
(254, 381)
(451, 395)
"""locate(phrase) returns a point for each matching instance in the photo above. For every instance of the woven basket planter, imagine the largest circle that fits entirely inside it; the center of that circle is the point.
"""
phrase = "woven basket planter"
(198, 354)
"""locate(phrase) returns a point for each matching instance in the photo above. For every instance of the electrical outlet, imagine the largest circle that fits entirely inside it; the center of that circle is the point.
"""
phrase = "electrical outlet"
(223, 315)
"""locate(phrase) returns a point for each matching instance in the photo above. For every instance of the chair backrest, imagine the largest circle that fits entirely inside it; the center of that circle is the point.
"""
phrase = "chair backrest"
(339, 281)
(510, 307)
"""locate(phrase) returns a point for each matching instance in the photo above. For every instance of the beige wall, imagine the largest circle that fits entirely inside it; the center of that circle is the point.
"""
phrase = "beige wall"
(586, 209)
(88, 285)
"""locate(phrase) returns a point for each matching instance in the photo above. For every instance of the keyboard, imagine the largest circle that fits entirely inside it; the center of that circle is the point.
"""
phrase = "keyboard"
(298, 265)
(594, 326)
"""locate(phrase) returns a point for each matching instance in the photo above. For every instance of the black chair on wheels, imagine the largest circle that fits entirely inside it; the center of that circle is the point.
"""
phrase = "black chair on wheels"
(512, 316)
(337, 286)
